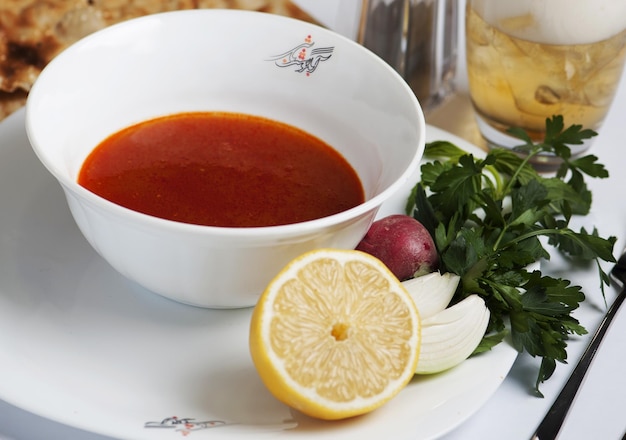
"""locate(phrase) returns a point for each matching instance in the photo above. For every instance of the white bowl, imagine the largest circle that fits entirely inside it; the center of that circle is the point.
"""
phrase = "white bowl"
(226, 60)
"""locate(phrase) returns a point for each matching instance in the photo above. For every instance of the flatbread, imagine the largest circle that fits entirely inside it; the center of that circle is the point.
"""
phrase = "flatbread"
(32, 32)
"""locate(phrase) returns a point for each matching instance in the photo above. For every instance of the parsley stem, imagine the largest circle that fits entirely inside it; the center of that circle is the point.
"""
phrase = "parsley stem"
(533, 152)
(536, 233)
(497, 182)
(540, 232)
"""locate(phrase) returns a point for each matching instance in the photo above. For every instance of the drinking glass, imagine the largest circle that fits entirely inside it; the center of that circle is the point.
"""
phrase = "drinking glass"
(418, 38)
(528, 60)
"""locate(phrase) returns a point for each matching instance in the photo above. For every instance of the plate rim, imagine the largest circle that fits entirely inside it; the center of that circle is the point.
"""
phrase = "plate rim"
(503, 353)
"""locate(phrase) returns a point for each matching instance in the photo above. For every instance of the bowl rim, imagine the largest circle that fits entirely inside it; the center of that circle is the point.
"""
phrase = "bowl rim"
(286, 230)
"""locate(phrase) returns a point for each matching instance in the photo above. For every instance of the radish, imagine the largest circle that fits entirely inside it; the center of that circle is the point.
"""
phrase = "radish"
(403, 244)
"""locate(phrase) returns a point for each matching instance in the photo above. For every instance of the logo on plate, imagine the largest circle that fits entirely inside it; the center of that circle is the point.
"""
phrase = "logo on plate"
(304, 58)
(184, 425)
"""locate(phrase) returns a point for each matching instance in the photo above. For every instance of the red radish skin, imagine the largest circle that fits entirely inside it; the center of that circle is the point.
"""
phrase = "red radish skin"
(403, 244)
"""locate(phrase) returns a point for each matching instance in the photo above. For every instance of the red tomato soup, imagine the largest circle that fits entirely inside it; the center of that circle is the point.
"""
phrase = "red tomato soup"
(222, 169)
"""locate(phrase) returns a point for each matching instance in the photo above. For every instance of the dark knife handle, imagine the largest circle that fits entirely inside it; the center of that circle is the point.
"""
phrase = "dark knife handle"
(551, 424)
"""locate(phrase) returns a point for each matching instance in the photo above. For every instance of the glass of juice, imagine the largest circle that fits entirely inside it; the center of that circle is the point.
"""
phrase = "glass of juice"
(529, 60)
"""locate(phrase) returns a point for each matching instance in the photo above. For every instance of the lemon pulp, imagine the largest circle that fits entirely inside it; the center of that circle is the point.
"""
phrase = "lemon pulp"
(335, 334)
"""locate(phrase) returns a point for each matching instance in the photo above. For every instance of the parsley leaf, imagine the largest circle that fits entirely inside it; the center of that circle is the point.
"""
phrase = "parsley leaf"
(492, 217)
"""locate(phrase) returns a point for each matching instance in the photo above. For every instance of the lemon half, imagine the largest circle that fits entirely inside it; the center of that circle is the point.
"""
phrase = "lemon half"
(335, 334)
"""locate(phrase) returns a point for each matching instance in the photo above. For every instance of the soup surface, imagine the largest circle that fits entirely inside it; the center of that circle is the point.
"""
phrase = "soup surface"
(222, 169)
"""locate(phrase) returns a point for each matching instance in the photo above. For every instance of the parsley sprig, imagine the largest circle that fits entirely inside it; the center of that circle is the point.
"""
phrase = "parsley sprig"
(492, 218)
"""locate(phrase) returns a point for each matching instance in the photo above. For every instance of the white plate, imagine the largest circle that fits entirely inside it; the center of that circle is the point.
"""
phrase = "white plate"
(81, 345)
